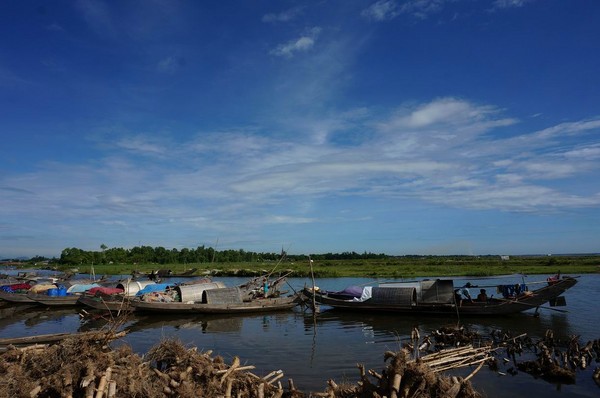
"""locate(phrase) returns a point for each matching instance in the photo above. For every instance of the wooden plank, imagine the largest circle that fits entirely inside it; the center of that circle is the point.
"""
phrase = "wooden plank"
(50, 338)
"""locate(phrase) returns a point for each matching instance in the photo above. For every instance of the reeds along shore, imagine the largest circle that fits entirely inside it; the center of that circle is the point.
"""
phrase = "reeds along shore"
(85, 365)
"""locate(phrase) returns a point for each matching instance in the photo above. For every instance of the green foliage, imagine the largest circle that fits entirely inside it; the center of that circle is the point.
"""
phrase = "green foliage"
(349, 264)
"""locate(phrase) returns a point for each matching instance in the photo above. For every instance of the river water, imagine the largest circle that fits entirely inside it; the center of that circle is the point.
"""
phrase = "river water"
(312, 349)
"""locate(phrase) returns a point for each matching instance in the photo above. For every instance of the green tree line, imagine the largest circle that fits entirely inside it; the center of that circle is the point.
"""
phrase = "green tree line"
(201, 254)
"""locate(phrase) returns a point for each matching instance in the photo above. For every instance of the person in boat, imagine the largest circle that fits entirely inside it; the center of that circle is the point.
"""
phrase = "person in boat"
(465, 291)
(152, 276)
(482, 296)
(554, 279)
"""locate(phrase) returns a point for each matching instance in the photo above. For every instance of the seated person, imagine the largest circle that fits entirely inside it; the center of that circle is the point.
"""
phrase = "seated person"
(482, 296)
(465, 292)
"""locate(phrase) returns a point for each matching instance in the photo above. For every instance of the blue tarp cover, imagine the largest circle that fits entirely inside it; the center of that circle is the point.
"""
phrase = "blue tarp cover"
(157, 287)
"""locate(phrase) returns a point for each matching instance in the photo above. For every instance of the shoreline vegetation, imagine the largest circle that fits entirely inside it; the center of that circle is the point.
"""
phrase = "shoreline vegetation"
(331, 265)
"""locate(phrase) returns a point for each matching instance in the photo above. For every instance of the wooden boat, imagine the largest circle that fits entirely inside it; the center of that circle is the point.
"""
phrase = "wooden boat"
(15, 297)
(54, 301)
(113, 303)
(439, 297)
(17, 293)
(167, 273)
(62, 295)
(258, 295)
(231, 307)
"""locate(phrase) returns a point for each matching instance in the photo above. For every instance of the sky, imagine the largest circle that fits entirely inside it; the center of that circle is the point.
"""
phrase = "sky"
(394, 126)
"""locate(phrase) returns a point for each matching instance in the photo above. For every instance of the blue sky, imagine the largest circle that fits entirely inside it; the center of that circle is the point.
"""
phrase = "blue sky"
(391, 126)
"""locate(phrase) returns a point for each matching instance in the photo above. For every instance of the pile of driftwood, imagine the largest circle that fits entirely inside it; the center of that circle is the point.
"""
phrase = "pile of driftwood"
(85, 365)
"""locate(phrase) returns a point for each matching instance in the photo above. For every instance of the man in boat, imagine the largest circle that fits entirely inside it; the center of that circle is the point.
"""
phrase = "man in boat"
(465, 291)
(482, 296)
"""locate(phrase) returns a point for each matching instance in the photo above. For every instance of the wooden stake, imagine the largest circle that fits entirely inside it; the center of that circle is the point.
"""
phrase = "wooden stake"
(396, 385)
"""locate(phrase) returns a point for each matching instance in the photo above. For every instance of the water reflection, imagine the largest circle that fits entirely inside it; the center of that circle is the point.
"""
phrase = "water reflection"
(204, 324)
(32, 315)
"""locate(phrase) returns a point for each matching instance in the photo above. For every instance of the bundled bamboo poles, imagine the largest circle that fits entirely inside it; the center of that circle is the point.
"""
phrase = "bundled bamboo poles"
(422, 377)
(457, 357)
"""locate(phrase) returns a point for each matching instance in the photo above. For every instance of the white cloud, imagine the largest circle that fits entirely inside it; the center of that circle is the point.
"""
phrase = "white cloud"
(141, 144)
(422, 8)
(301, 44)
(583, 153)
(444, 152)
(446, 121)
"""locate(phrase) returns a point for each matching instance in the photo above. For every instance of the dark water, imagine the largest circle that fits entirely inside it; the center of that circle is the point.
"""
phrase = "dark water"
(310, 351)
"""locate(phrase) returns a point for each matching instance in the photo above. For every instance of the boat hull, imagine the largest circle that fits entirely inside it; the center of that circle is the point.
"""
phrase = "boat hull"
(106, 304)
(54, 301)
(254, 306)
(16, 297)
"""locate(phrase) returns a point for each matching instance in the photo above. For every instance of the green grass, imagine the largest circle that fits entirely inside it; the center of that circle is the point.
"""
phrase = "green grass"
(401, 267)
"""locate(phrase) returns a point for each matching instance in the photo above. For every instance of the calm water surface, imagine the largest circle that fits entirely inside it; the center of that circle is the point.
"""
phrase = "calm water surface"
(311, 350)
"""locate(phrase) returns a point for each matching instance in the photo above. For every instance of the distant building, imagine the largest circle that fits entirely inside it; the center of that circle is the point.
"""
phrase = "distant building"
(504, 258)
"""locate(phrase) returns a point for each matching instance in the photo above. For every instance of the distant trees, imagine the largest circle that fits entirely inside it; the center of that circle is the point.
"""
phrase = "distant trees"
(201, 254)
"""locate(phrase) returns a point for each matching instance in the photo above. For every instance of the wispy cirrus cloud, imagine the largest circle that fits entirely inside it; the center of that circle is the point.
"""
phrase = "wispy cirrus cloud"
(443, 153)
(381, 10)
(301, 44)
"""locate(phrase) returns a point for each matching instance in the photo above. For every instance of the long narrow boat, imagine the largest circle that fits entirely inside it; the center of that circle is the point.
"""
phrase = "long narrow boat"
(54, 301)
(115, 303)
(242, 307)
(16, 297)
(118, 299)
(439, 297)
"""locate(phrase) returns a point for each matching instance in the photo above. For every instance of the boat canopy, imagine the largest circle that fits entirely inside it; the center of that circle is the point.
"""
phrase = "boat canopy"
(437, 291)
(228, 295)
(194, 293)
